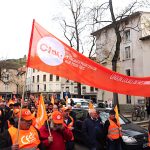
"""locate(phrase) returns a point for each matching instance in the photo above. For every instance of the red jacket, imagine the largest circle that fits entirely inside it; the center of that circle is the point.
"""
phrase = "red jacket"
(58, 138)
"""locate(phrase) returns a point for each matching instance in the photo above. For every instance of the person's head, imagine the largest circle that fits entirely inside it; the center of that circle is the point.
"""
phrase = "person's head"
(11, 105)
(92, 113)
(57, 120)
(46, 106)
(97, 114)
(26, 119)
(33, 108)
(112, 114)
(91, 101)
(50, 106)
(65, 112)
(15, 112)
(25, 103)
(17, 106)
(2, 104)
(55, 108)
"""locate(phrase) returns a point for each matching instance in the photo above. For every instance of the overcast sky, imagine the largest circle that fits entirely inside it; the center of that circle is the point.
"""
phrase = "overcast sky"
(16, 21)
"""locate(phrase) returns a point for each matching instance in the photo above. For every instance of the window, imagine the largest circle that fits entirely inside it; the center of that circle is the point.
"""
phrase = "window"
(44, 87)
(38, 78)
(33, 70)
(127, 52)
(38, 88)
(75, 89)
(67, 89)
(44, 77)
(57, 78)
(33, 79)
(83, 89)
(128, 99)
(128, 72)
(127, 35)
(67, 81)
(7, 77)
(51, 77)
(96, 89)
(91, 89)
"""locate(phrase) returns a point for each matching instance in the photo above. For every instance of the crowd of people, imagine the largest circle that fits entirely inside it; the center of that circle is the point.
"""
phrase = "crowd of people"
(18, 130)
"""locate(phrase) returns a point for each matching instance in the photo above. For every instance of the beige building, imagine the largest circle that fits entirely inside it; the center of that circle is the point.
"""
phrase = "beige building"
(134, 51)
(11, 83)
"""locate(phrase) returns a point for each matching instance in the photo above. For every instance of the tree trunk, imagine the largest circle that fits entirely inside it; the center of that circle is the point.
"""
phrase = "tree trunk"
(117, 51)
(79, 89)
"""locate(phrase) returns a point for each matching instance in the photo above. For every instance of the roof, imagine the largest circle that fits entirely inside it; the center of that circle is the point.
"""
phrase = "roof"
(145, 38)
(119, 21)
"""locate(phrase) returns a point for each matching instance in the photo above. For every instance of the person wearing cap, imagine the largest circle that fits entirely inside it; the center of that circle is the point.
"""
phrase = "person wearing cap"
(28, 136)
(113, 132)
(5, 114)
(92, 130)
(69, 122)
(53, 138)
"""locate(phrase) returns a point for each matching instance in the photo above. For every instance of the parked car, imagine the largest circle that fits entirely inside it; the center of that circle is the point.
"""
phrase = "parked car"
(103, 105)
(134, 136)
(83, 103)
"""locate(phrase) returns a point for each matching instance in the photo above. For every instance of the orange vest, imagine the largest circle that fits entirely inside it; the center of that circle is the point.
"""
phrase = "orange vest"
(27, 138)
(70, 125)
(113, 130)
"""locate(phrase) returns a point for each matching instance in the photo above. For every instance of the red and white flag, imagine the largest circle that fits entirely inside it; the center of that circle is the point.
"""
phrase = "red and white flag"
(49, 54)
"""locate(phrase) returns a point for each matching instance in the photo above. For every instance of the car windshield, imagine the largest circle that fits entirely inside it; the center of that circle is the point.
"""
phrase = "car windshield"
(105, 115)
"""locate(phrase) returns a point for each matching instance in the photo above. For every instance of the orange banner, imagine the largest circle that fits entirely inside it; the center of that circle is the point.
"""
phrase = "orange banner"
(49, 54)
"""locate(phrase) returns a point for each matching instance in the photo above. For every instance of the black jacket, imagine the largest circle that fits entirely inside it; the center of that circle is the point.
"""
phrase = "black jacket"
(92, 131)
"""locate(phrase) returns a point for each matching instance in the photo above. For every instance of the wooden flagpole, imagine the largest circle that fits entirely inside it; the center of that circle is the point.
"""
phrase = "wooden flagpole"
(20, 113)
(30, 45)
(49, 128)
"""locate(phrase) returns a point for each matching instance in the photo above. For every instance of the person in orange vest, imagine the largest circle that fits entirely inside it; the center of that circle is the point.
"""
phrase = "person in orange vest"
(113, 132)
(28, 136)
(68, 122)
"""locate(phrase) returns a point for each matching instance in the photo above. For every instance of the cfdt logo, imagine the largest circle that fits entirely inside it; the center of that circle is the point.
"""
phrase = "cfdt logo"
(50, 51)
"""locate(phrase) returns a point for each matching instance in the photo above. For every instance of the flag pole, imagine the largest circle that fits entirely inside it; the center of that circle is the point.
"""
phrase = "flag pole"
(49, 128)
(22, 100)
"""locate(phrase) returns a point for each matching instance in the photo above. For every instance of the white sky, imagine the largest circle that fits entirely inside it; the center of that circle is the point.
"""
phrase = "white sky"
(16, 20)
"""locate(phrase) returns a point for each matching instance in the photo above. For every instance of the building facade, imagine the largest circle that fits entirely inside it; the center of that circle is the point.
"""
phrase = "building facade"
(134, 51)
(41, 82)
(11, 83)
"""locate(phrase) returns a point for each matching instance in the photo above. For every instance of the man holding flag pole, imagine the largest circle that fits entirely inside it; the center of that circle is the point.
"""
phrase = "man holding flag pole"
(112, 130)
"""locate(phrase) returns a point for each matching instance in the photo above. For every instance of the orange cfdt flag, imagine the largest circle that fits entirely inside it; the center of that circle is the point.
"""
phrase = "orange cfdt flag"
(117, 114)
(41, 113)
(90, 105)
(52, 100)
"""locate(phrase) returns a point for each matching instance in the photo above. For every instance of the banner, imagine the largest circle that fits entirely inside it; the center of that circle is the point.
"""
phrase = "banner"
(49, 54)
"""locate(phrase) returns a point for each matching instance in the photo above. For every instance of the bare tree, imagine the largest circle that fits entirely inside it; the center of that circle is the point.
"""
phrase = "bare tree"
(116, 22)
(76, 28)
